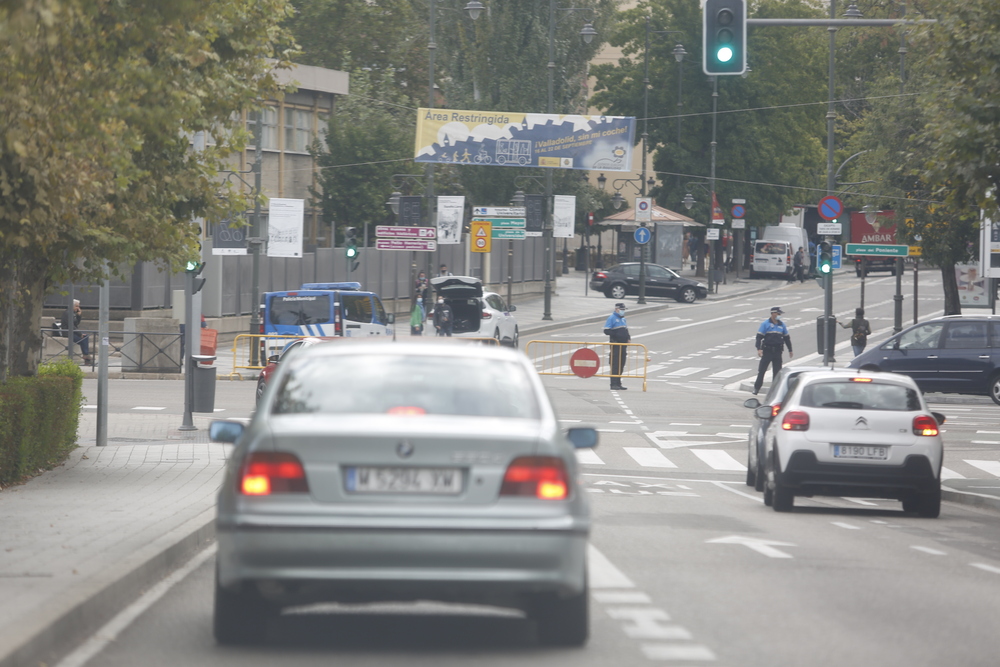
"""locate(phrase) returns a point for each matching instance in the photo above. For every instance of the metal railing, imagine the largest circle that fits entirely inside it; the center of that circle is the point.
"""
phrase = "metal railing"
(137, 352)
(552, 357)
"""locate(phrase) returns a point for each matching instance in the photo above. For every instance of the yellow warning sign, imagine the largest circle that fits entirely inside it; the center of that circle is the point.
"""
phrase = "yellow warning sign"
(480, 236)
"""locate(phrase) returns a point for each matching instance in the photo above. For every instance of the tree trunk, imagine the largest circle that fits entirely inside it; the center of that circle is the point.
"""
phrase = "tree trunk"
(950, 286)
(22, 294)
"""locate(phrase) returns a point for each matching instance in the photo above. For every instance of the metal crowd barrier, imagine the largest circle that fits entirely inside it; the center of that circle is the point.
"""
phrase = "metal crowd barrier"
(243, 347)
(552, 357)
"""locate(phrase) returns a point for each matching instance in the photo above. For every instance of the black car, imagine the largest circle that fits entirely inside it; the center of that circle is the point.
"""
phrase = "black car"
(955, 354)
(874, 264)
(618, 281)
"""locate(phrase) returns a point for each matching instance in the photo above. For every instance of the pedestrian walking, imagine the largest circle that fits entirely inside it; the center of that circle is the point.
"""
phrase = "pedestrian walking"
(617, 331)
(81, 339)
(417, 318)
(772, 337)
(443, 320)
(860, 331)
(798, 264)
(422, 289)
(443, 271)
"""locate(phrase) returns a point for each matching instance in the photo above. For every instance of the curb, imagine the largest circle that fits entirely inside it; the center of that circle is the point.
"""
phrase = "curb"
(44, 635)
(980, 500)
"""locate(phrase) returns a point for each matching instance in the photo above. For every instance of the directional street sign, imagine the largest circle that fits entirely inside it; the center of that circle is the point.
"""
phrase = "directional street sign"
(830, 208)
(508, 234)
(642, 235)
(508, 223)
(877, 249)
(916, 251)
(393, 232)
(405, 244)
(498, 211)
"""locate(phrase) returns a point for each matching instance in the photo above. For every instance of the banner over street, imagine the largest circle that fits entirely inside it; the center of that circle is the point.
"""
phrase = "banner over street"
(525, 139)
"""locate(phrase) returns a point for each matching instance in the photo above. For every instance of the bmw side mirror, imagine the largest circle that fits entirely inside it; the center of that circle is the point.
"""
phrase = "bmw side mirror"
(751, 403)
(582, 437)
(225, 431)
(939, 417)
(763, 412)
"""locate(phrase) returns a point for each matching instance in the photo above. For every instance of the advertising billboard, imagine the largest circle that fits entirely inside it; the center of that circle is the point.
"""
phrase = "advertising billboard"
(525, 139)
(881, 230)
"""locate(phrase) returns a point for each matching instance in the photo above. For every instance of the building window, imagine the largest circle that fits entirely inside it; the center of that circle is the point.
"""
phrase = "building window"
(269, 130)
(298, 130)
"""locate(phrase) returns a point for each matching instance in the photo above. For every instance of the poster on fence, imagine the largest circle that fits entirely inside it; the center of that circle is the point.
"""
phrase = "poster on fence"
(451, 210)
(284, 229)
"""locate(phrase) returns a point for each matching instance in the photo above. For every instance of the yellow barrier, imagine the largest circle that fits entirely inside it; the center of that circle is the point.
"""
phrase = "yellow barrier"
(243, 346)
(552, 357)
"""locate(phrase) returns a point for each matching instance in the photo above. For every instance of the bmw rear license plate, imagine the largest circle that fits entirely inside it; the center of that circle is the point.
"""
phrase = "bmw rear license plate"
(860, 452)
(446, 481)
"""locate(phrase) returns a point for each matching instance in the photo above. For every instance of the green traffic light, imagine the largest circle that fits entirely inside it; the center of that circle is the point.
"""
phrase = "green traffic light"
(724, 55)
(351, 252)
(192, 265)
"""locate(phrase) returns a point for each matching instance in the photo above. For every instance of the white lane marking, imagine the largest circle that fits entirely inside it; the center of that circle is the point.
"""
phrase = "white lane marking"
(89, 407)
(718, 459)
(602, 573)
(928, 550)
(109, 632)
(684, 372)
(678, 652)
(219, 410)
(570, 421)
(992, 467)
(647, 623)
(723, 485)
(739, 426)
(649, 457)
(848, 526)
(990, 432)
(620, 597)
(861, 502)
(985, 442)
(632, 422)
(728, 373)
(764, 547)
(588, 457)
(678, 424)
(986, 568)
(610, 430)
(144, 407)
(947, 473)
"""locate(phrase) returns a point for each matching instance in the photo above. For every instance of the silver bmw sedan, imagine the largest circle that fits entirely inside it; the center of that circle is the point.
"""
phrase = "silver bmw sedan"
(381, 471)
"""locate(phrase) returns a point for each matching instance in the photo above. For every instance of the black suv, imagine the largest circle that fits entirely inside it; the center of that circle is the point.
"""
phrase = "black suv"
(618, 281)
(955, 354)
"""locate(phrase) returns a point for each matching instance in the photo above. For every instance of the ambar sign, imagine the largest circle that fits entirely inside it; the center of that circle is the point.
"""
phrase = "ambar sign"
(882, 229)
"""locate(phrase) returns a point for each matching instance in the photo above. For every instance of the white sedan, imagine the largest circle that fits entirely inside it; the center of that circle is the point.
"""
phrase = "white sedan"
(854, 435)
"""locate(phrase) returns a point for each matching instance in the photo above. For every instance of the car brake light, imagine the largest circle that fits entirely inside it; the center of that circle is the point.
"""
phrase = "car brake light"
(861, 379)
(487, 314)
(537, 476)
(600, 274)
(775, 409)
(924, 425)
(796, 421)
(265, 473)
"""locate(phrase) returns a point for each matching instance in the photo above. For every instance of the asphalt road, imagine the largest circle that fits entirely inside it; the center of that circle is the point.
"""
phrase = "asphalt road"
(688, 567)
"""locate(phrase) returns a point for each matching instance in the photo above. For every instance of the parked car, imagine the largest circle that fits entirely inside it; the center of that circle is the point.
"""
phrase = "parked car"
(771, 259)
(864, 434)
(275, 360)
(955, 354)
(477, 314)
(623, 279)
(437, 472)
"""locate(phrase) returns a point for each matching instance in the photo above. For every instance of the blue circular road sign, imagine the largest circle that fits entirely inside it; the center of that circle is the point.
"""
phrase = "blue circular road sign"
(830, 208)
(738, 210)
(642, 235)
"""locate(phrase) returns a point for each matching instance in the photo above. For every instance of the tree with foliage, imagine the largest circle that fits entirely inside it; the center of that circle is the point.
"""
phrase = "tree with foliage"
(99, 101)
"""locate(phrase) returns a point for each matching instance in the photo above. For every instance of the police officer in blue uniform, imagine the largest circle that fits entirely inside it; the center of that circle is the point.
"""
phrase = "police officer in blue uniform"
(617, 331)
(772, 336)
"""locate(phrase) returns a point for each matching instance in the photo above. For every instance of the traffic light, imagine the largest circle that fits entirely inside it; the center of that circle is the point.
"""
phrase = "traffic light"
(825, 263)
(724, 37)
(195, 268)
(351, 242)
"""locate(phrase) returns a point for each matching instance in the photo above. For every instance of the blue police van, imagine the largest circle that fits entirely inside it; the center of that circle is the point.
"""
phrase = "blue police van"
(326, 310)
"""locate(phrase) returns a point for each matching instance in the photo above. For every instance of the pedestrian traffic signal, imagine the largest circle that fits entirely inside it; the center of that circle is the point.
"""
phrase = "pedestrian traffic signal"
(825, 258)
(351, 242)
(724, 37)
(195, 268)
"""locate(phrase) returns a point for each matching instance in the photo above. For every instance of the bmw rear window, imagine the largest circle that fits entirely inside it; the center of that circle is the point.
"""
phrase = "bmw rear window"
(407, 385)
(853, 395)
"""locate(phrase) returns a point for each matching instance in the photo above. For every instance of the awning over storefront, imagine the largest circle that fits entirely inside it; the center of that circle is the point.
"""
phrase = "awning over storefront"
(627, 221)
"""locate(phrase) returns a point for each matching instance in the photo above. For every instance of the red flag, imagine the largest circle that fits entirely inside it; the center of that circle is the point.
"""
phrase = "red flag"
(718, 217)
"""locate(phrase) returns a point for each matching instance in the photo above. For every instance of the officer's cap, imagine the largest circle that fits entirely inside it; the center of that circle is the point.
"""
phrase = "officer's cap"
(620, 306)
(778, 310)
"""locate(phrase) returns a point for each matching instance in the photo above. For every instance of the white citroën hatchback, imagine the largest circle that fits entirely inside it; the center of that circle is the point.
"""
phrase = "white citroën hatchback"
(867, 434)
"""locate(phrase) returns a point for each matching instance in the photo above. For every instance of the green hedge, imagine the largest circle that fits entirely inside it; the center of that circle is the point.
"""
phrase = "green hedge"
(39, 417)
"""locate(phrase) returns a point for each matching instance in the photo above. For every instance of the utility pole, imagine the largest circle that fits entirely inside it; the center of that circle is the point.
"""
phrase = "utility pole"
(255, 242)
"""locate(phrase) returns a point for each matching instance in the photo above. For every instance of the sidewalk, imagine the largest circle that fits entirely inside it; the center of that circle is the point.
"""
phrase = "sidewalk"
(83, 540)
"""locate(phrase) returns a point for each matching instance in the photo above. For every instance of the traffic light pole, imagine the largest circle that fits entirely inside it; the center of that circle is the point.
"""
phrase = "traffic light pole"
(189, 329)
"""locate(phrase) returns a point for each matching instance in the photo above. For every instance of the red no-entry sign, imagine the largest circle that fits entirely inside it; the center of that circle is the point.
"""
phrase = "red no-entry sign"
(584, 362)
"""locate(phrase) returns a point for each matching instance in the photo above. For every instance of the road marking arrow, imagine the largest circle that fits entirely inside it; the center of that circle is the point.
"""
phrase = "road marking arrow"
(765, 547)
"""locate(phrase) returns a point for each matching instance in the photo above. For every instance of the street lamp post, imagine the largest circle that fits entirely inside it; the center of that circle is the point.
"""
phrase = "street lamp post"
(587, 33)
(679, 54)
(690, 201)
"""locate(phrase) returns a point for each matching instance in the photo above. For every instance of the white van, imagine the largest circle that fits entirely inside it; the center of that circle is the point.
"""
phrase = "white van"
(786, 231)
(771, 259)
